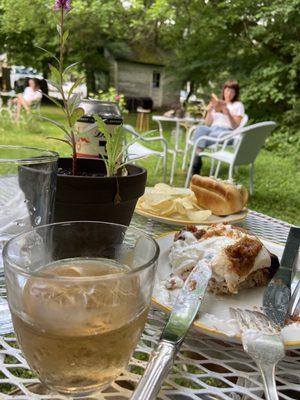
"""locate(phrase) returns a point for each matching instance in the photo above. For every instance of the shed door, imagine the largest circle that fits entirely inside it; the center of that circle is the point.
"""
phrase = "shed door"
(156, 88)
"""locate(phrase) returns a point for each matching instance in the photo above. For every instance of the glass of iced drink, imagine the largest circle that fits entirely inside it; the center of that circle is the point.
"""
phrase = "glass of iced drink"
(27, 188)
(79, 294)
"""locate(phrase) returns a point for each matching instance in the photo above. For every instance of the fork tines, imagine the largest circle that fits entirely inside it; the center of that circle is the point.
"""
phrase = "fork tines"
(255, 320)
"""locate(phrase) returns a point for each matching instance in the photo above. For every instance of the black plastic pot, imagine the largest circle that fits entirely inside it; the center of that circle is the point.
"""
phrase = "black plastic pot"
(95, 198)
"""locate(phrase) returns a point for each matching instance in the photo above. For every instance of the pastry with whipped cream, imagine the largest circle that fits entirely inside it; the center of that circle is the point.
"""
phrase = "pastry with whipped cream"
(238, 259)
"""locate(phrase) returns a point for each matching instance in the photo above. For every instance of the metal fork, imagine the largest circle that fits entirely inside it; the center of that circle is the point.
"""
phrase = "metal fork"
(262, 341)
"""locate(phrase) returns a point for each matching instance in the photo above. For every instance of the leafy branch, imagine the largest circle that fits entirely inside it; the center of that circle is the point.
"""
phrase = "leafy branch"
(116, 147)
(72, 100)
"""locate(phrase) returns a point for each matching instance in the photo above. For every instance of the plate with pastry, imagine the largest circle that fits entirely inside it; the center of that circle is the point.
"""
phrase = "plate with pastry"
(242, 265)
(207, 201)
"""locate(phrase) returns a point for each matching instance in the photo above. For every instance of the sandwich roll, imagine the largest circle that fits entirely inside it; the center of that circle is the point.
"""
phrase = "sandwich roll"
(222, 198)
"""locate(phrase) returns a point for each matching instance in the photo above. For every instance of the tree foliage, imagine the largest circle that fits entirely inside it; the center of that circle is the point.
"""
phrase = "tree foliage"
(206, 41)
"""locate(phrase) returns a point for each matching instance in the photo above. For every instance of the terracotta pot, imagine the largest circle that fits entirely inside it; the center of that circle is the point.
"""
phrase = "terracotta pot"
(94, 198)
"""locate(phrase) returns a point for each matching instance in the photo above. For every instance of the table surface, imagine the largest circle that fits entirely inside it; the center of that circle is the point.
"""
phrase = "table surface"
(205, 368)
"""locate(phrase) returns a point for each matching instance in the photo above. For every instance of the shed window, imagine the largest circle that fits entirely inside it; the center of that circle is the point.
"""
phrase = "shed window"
(156, 79)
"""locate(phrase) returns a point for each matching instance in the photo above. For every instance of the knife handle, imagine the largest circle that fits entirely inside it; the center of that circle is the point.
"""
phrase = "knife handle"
(159, 365)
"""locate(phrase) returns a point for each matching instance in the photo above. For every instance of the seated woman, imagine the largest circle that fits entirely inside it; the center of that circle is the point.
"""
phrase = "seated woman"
(222, 116)
(31, 94)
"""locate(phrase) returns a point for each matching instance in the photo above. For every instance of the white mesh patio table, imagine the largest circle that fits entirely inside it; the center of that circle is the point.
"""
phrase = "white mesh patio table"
(205, 368)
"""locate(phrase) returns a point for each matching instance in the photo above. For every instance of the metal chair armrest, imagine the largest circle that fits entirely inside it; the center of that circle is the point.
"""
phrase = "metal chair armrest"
(229, 132)
(154, 139)
(215, 140)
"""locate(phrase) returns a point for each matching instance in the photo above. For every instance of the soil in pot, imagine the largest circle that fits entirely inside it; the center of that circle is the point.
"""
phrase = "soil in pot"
(91, 196)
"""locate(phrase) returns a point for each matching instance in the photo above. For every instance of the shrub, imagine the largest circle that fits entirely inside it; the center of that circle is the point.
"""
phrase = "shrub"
(111, 95)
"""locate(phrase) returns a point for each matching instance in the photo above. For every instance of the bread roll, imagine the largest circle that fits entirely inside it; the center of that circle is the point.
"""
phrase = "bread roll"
(222, 198)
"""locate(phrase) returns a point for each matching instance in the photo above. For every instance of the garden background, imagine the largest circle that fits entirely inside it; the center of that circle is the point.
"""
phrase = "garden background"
(205, 42)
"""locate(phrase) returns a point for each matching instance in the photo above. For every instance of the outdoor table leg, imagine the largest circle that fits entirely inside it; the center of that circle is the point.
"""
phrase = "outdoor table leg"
(176, 150)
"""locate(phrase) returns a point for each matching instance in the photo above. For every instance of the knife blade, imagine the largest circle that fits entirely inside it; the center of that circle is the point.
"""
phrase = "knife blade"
(183, 313)
(278, 292)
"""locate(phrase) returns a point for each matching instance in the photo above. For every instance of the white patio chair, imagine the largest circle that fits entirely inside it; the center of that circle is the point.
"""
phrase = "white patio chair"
(172, 152)
(190, 143)
(250, 141)
(36, 106)
(137, 150)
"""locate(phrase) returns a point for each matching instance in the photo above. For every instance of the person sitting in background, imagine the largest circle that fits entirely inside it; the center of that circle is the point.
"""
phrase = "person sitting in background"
(32, 93)
(222, 116)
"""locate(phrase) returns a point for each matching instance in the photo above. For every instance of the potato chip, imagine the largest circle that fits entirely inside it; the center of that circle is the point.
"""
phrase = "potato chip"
(166, 212)
(199, 216)
(163, 188)
(172, 191)
(156, 199)
(187, 203)
(179, 206)
(167, 201)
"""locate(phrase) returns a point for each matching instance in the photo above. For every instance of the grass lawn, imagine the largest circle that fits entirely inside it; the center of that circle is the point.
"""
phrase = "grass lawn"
(276, 179)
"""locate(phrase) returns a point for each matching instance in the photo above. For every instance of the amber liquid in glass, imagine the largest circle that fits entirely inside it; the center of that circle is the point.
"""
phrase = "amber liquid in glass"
(79, 337)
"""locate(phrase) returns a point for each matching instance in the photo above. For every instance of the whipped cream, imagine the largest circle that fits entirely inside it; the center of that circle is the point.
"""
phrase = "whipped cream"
(185, 254)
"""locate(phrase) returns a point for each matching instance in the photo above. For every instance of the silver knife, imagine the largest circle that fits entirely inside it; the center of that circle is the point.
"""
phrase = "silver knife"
(182, 316)
(278, 293)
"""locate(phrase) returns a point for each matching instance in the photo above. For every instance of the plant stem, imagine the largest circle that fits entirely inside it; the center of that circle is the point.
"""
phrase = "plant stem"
(61, 70)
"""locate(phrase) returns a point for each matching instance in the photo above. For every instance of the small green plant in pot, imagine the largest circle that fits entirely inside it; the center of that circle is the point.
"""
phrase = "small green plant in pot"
(104, 188)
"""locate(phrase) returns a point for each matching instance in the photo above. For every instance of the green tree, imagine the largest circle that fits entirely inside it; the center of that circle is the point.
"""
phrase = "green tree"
(257, 42)
(94, 26)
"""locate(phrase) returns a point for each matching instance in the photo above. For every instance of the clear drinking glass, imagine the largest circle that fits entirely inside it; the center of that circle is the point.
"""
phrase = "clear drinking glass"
(27, 188)
(79, 294)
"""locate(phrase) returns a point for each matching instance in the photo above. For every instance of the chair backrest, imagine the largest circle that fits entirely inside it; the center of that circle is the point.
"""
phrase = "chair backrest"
(131, 130)
(35, 105)
(252, 138)
(243, 122)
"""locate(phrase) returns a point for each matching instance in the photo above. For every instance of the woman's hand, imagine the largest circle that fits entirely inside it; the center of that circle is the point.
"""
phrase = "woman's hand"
(208, 117)
(210, 107)
(224, 109)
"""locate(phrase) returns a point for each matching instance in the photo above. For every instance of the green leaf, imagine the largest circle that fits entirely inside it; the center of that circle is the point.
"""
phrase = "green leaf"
(58, 27)
(101, 125)
(48, 52)
(73, 102)
(60, 140)
(54, 101)
(65, 36)
(69, 67)
(114, 145)
(55, 73)
(75, 85)
(55, 84)
(58, 124)
(78, 113)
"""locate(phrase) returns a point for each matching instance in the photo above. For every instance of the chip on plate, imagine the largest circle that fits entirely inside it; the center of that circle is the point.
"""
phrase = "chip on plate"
(166, 201)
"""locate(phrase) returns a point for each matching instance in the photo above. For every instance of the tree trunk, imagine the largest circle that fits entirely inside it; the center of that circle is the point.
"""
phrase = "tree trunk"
(90, 80)
(192, 87)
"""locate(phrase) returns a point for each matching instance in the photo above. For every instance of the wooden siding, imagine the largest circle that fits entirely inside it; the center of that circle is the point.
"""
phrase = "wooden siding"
(170, 91)
(134, 79)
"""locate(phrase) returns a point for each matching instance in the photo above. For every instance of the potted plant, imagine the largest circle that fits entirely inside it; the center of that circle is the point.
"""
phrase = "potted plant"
(99, 189)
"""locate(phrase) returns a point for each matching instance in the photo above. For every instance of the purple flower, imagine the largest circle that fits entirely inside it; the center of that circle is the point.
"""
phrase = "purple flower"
(62, 4)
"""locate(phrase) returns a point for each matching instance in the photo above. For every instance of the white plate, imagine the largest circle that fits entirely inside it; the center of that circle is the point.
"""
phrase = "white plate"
(215, 319)
(212, 219)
